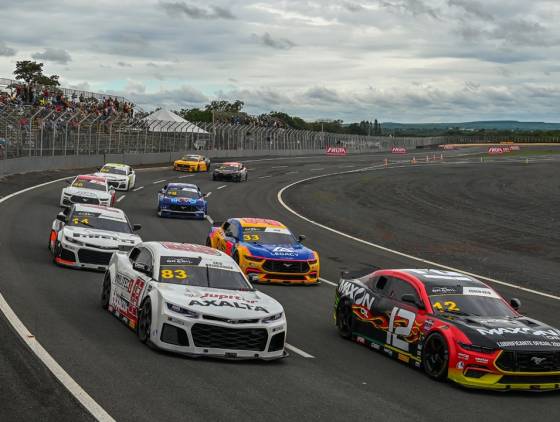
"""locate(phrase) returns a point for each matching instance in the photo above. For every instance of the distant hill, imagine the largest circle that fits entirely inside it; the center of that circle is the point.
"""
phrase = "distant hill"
(488, 125)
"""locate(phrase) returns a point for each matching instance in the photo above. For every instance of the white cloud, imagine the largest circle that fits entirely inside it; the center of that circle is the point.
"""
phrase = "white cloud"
(400, 60)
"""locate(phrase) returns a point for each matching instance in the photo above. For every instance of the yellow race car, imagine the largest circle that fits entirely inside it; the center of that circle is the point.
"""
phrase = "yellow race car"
(266, 250)
(192, 163)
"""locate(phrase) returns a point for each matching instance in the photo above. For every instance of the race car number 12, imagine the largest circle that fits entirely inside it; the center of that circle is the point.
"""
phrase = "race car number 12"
(394, 331)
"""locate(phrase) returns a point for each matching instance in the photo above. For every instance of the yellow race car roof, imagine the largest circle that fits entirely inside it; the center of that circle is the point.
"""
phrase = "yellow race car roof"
(259, 222)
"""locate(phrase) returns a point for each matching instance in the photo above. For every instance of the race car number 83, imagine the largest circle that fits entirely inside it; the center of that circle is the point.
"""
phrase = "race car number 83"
(169, 274)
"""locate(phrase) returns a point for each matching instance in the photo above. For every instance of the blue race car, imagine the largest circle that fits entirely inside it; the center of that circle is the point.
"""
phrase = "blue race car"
(182, 200)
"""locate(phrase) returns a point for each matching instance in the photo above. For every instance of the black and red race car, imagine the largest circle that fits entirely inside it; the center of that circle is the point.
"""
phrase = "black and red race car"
(452, 325)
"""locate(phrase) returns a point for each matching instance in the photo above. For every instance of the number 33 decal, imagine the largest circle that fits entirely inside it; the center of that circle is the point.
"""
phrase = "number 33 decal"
(395, 331)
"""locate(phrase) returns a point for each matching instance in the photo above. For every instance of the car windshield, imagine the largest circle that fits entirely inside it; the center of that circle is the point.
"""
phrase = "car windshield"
(95, 220)
(229, 168)
(183, 193)
(89, 184)
(190, 158)
(268, 236)
(461, 304)
(203, 276)
(113, 170)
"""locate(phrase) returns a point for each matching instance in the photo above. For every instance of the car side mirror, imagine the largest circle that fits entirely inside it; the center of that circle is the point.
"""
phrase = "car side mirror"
(136, 227)
(301, 237)
(61, 217)
(409, 298)
(142, 268)
(162, 191)
(253, 278)
(515, 303)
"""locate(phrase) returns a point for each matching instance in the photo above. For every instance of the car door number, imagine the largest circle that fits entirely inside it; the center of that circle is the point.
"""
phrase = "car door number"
(394, 331)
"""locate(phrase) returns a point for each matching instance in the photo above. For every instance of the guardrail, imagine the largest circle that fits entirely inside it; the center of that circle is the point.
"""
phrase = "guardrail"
(27, 131)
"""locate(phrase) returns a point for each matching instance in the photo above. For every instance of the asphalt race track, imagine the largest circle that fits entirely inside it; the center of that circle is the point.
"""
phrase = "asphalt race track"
(490, 219)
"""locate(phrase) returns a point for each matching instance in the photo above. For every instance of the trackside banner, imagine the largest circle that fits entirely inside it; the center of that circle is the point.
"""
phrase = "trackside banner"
(398, 150)
(498, 150)
(336, 151)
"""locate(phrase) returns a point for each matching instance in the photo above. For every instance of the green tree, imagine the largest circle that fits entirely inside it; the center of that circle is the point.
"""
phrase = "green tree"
(47, 80)
(28, 71)
(225, 106)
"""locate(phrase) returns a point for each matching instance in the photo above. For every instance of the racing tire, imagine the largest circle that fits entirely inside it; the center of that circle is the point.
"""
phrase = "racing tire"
(435, 357)
(344, 320)
(106, 291)
(144, 327)
(56, 252)
(208, 242)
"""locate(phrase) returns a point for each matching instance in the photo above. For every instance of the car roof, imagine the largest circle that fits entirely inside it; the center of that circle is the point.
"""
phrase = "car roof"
(182, 185)
(117, 165)
(191, 156)
(91, 177)
(115, 213)
(231, 163)
(259, 222)
(434, 279)
(188, 250)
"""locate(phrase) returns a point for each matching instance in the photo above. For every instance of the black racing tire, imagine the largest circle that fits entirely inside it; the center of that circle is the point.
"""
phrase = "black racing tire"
(344, 320)
(56, 251)
(144, 327)
(435, 357)
(106, 291)
(208, 242)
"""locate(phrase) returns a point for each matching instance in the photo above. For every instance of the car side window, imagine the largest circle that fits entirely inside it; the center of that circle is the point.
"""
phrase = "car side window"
(144, 257)
(234, 228)
(134, 254)
(381, 283)
(397, 288)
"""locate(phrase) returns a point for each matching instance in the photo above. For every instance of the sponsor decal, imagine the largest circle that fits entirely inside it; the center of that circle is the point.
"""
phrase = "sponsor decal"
(358, 294)
(496, 150)
(398, 150)
(336, 151)
(522, 343)
(179, 260)
(481, 360)
(222, 303)
(460, 365)
(463, 356)
(375, 346)
(187, 247)
(428, 324)
(439, 290)
(361, 340)
(281, 249)
(480, 291)
(403, 358)
(550, 334)
(223, 296)
(537, 360)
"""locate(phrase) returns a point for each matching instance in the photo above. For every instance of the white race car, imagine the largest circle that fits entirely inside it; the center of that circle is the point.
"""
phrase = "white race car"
(86, 236)
(193, 300)
(86, 189)
(119, 176)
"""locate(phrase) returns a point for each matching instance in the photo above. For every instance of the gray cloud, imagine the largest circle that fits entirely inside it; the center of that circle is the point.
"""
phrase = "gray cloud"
(267, 40)
(472, 7)
(56, 55)
(5, 50)
(353, 7)
(195, 12)
(124, 64)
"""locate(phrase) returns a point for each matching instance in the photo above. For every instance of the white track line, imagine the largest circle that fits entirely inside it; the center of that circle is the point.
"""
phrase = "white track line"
(264, 177)
(61, 375)
(210, 220)
(208, 194)
(137, 189)
(317, 169)
(159, 181)
(393, 251)
(279, 167)
(299, 351)
(292, 172)
(221, 187)
(324, 280)
(186, 175)
(120, 198)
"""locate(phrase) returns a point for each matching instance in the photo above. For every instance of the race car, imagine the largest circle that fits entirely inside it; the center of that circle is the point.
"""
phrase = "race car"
(192, 163)
(452, 325)
(119, 176)
(86, 236)
(267, 250)
(193, 300)
(235, 172)
(182, 200)
(87, 189)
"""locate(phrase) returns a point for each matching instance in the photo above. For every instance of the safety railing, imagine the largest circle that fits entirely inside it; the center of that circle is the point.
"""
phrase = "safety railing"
(38, 131)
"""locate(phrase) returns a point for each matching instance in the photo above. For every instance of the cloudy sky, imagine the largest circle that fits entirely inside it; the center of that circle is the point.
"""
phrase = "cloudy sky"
(395, 60)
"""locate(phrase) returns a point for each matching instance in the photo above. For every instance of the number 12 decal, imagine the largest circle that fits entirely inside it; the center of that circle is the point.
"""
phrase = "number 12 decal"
(394, 331)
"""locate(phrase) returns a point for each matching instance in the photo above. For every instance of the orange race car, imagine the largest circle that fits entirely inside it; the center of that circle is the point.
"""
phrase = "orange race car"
(192, 163)
(266, 251)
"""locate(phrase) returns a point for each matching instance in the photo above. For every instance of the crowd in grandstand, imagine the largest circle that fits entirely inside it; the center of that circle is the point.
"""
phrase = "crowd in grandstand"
(54, 99)
(246, 119)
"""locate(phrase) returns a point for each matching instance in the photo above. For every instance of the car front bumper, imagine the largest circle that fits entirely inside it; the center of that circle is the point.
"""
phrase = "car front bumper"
(77, 256)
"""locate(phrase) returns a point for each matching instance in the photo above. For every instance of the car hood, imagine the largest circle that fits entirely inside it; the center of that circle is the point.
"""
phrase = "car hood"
(227, 171)
(190, 163)
(297, 252)
(87, 193)
(181, 201)
(110, 176)
(520, 333)
(102, 238)
(230, 304)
